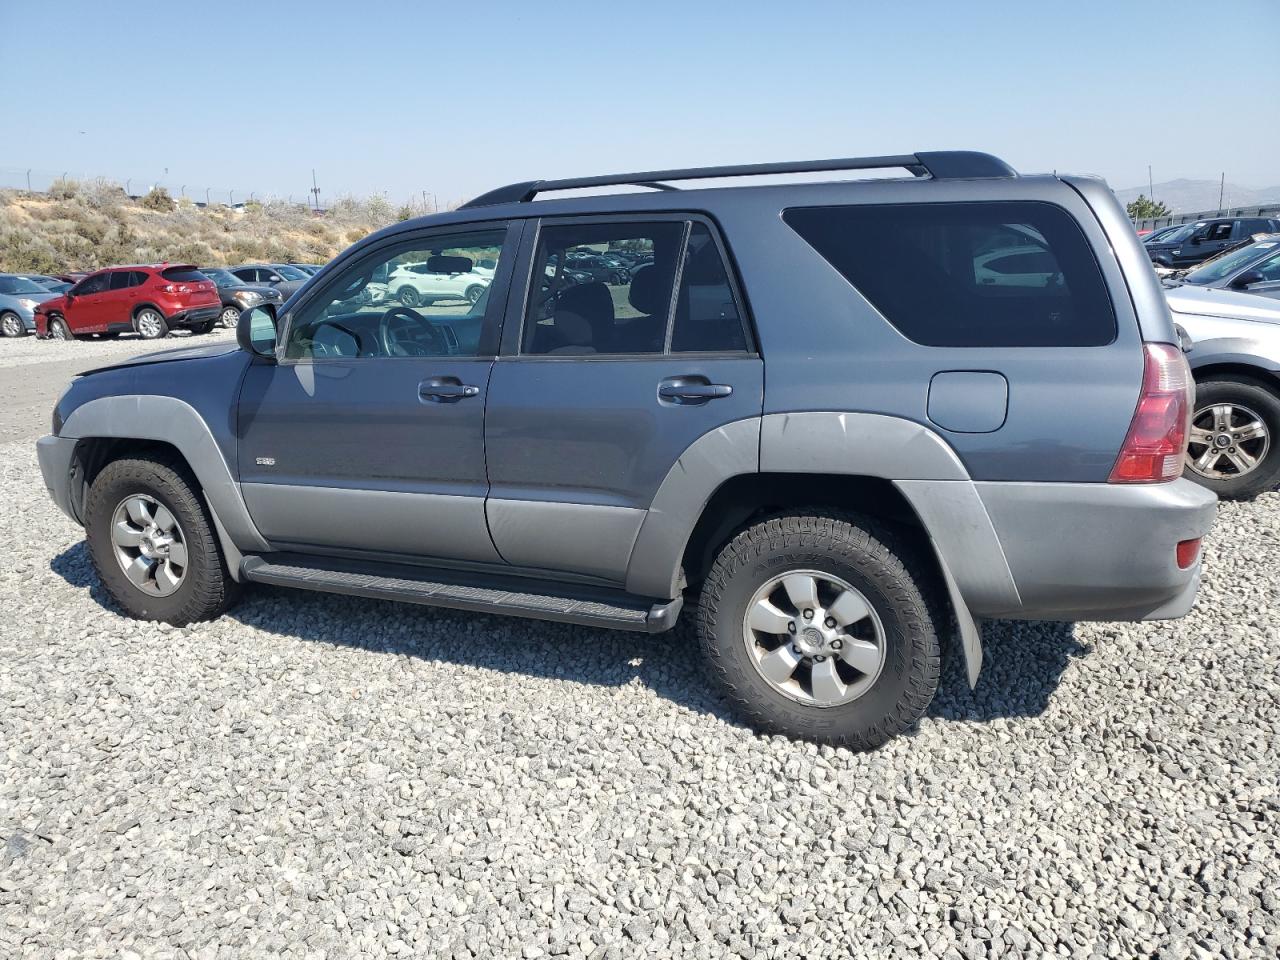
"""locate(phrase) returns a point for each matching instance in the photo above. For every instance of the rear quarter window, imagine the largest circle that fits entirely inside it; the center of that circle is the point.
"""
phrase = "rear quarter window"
(984, 274)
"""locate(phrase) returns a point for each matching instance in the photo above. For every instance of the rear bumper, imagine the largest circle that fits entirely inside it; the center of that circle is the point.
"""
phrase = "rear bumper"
(187, 318)
(1095, 551)
(55, 455)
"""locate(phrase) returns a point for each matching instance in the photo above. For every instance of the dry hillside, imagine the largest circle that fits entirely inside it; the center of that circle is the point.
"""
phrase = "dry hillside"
(83, 226)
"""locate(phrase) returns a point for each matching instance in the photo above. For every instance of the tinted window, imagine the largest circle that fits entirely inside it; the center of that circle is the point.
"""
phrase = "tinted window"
(1219, 231)
(181, 275)
(290, 273)
(123, 279)
(927, 269)
(95, 284)
(707, 318)
(385, 306)
(577, 306)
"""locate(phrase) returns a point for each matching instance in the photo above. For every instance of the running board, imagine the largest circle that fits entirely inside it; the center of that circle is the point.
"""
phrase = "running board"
(567, 604)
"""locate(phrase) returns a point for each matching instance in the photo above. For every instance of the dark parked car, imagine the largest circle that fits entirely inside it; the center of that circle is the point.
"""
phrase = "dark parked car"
(238, 296)
(1250, 268)
(1197, 242)
(148, 299)
(599, 268)
(285, 278)
(812, 418)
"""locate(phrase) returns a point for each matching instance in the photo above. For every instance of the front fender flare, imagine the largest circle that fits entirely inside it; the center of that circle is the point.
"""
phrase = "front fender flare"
(173, 421)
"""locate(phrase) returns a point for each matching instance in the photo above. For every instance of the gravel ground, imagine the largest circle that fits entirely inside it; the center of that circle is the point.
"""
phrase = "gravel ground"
(321, 776)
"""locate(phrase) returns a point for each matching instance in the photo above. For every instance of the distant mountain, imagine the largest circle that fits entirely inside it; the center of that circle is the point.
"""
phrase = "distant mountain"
(1189, 196)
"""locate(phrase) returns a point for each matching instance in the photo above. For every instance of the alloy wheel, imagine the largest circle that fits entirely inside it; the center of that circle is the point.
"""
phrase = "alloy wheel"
(12, 326)
(1228, 440)
(814, 638)
(149, 545)
(149, 324)
(230, 317)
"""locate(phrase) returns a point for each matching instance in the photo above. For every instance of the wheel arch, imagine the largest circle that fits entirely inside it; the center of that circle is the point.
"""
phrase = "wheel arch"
(111, 427)
(1232, 368)
(145, 304)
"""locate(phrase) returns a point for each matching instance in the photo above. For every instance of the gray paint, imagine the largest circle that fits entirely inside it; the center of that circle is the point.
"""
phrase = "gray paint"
(54, 454)
(176, 422)
(1081, 550)
(584, 538)
(863, 444)
(413, 524)
(728, 451)
(968, 401)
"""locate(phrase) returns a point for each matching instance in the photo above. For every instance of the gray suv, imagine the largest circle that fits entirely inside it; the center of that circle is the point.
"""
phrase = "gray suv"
(837, 420)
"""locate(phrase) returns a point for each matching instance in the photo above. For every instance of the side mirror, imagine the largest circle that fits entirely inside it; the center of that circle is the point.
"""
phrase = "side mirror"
(256, 332)
(1247, 279)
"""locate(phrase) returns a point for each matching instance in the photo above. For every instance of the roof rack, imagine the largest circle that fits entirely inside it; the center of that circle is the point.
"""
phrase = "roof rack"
(938, 164)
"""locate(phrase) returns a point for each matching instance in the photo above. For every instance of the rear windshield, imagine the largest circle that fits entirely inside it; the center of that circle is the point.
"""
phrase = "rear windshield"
(182, 275)
(988, 274)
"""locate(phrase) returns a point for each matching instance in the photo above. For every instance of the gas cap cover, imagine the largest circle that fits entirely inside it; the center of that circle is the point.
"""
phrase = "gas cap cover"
(969, 401)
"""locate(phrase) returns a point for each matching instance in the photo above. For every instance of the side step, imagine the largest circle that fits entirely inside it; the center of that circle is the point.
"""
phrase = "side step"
(564, 603)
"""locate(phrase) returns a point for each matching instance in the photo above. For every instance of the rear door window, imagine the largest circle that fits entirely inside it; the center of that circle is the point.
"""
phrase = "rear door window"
(707, 319)
(986, 274)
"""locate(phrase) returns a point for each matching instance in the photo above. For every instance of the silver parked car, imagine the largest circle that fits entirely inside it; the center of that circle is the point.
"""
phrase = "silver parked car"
(19, 298)
(1235, 360)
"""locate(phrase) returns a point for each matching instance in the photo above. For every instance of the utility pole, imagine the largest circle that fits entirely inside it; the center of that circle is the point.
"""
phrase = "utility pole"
(1222, 185)
(207, 201)
(28, 181)
(231, 198)
(1151, 187)
(315, 190)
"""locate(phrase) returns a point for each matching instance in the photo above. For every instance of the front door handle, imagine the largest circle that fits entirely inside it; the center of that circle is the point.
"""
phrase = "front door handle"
(692, 390)
(446, 390)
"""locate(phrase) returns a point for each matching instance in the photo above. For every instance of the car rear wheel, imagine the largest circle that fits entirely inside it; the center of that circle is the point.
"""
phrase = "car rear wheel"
(409, 296)
(11, 324)
(205, 327)
(59, 330)
(150, 324)
(153, 545)
(817, 626)
(229, 317)
(1234, 432)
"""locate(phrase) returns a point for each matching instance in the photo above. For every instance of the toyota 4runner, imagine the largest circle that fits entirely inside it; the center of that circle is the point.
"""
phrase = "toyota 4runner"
(838, 420)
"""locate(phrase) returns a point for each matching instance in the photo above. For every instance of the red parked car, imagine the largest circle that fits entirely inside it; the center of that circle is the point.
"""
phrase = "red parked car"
(149, 300)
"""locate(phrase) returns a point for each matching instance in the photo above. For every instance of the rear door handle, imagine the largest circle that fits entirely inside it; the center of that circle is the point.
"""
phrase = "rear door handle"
(692, 390)
(446, 390)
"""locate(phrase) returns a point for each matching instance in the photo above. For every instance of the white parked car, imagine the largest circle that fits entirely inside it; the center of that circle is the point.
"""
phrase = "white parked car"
(439, 278)
(1021, 266)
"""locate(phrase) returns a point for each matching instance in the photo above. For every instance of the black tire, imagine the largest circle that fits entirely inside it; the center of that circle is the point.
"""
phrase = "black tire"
(206, 327)
(474, 293)
(58, 330)
(150, 324)
(409, 296)
(11, 325)
(206, 589)
(871, 559)
(229, 317)
(1258, 400)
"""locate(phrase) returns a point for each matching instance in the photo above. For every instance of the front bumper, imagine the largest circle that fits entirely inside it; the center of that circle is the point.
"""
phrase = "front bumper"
(1097, 551)
(56, 456)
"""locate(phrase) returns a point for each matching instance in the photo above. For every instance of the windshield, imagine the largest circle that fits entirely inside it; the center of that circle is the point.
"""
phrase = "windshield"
(223, 278)
(290, 273)
(1175, 236)
(20, 285)
(1222, 267)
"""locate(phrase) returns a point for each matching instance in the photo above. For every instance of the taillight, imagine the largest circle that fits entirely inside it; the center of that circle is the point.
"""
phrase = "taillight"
(1157, 438)
(176, 288)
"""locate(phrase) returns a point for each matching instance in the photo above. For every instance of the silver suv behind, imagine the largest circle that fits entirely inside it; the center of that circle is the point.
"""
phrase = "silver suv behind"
(833, 418)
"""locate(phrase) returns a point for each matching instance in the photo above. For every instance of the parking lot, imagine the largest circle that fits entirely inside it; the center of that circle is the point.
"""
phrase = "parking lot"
(322, 776)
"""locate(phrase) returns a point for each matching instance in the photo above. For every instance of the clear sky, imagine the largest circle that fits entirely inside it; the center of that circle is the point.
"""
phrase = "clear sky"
(454, 98)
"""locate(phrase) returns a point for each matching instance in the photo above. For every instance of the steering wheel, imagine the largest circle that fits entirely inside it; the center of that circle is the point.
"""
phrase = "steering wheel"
(393, 330)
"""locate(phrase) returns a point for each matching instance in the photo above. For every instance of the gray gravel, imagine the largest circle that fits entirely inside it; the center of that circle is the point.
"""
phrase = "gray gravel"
(326, 777)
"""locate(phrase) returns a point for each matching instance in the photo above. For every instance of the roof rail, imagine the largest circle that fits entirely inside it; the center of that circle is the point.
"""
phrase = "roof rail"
(938, 164)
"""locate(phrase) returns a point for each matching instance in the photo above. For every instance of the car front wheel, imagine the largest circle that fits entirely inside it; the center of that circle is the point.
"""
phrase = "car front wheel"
(1234, 430)
(153, 545)
(11, 324)
(817, 626)
(150, 324)
(58, 330)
